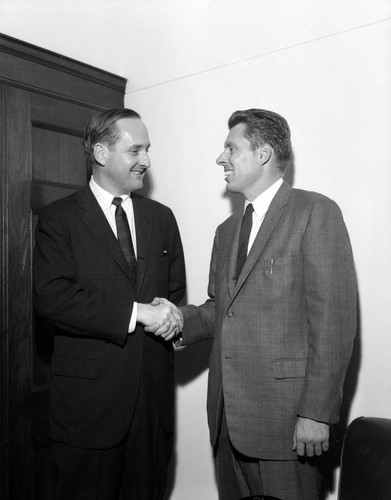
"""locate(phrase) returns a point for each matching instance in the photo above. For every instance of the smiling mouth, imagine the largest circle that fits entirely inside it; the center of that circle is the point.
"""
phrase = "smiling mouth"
(227, 173)
(138, 171)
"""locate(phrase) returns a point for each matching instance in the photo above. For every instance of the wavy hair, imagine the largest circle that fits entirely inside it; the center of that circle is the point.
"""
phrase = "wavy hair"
(266, 127)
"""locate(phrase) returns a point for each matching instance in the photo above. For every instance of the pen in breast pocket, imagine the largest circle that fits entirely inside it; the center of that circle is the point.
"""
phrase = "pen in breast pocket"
(271, 266)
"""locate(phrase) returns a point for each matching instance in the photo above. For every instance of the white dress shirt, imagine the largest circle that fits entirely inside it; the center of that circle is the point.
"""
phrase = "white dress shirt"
(105, 199)
(261, 206)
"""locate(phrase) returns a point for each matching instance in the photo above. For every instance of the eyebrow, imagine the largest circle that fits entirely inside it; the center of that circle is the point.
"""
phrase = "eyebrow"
(138, 146)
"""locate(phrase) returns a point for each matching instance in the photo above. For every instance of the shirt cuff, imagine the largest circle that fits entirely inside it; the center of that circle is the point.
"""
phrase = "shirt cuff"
(132, 323)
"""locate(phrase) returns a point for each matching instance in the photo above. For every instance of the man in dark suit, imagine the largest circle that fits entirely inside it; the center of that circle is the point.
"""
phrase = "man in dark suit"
(101, 255)
(282, 315)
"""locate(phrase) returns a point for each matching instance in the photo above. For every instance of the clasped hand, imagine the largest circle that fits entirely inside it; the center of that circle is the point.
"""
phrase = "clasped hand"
(310, 438)
(161, 317)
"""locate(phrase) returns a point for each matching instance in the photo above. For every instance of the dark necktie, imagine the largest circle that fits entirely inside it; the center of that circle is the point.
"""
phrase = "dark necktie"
(244, 235)
(124, 235)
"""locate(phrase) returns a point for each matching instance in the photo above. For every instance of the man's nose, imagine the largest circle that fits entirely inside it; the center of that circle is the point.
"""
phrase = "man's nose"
(145, 161)
(221, 159)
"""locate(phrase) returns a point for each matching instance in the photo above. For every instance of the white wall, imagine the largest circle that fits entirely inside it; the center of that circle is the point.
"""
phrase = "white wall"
(325, 66)
(335, 93)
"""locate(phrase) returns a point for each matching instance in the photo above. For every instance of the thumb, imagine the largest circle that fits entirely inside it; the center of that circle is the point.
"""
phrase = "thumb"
(155, 302)
(294, 447)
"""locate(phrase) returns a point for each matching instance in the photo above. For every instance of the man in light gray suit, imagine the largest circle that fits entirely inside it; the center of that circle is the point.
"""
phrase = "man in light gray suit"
(282, 315)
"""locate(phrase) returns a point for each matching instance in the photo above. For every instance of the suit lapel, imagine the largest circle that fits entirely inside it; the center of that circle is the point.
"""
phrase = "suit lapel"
(232, 255)
(269, 223)
(143, 221)
(96, 221)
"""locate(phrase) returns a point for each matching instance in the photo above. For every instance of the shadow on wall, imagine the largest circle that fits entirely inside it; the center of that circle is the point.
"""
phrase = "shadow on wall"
(190, 362)
(332, 460)
(147, 185)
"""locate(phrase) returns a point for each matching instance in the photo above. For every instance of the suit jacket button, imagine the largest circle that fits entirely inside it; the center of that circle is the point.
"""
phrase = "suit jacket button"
(230, 314)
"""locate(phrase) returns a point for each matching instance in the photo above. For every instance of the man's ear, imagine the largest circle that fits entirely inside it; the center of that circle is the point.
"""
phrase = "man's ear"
(100, 153)
(265, 154)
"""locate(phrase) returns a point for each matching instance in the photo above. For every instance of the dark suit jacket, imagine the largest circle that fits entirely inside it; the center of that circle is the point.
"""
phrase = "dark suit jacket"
(283, 333)
(83, 286)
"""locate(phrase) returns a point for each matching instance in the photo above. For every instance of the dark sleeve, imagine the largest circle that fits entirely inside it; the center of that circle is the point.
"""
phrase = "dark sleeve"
(177, 276)
(199, 321)
(88, 309)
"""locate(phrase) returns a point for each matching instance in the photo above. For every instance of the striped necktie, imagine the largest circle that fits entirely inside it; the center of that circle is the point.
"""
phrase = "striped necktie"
(244, 236)
(124, 235)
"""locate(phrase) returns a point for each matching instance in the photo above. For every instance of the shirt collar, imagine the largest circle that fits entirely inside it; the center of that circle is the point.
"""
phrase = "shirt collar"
(262, 202)
(104, 198)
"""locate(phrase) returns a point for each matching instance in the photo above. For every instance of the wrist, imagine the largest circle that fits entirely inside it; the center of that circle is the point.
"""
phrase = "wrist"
(143, 313)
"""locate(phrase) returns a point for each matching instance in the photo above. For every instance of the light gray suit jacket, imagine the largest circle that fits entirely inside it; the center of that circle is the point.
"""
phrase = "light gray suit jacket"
(283, 333)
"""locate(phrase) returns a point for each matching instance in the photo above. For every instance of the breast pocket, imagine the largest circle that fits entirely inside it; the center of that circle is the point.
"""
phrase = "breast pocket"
(280, 274)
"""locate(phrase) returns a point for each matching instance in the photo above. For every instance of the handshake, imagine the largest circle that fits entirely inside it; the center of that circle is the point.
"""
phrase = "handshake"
(161, 317)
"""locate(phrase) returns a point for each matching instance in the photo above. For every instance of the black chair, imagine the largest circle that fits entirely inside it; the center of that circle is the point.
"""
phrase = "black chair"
(366, 460)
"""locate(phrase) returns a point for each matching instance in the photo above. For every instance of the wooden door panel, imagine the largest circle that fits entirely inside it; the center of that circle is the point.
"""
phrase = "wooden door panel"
(45, 162)
(59, 167)
(4, 319)
(62, 114)
(58, 157)
(57, 141)
(45, 102)
(76, 82)
(19, 289)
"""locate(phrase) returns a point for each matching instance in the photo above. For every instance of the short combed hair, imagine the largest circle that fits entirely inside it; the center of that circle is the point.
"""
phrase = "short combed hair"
(266, 127)
(102, 128)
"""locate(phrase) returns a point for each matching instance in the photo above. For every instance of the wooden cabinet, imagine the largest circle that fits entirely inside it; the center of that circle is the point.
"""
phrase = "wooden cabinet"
(46, 100)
